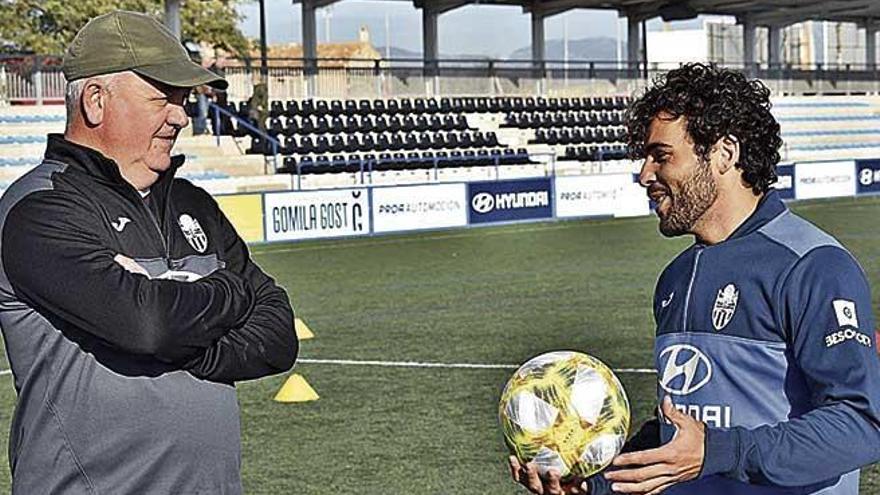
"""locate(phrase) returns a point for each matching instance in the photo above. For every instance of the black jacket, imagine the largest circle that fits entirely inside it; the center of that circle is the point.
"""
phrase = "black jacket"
(233, 324)
(123, 379)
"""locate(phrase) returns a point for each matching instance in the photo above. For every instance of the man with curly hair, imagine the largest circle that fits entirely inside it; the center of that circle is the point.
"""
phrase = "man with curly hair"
(767, 374)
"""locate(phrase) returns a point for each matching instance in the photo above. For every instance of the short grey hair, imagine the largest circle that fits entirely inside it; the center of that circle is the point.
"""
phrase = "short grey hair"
(74, 90)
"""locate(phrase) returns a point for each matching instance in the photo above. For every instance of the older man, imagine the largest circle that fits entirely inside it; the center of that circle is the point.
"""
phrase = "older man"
(764, 324)
(128, 304)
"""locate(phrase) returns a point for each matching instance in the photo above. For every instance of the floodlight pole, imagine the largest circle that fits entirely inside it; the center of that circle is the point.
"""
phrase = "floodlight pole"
(264, 68)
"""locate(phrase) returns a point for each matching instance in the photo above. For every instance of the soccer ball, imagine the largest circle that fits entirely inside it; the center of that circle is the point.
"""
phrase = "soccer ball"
(565, 410)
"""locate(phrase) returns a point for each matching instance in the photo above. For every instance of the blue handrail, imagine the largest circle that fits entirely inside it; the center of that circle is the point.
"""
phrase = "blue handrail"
(244, 122)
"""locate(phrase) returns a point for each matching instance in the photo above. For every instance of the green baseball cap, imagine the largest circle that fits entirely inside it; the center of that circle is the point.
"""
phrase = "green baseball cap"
(123, 40)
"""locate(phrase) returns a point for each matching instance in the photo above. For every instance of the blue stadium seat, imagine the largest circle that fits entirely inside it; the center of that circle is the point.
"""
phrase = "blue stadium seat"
(291, 109)
(354, 163)
(307, 107)
(322, 108)
(321, 125)
(322, 164)
(351, 124)
(288, 166)
(422, 124)
(394, 124)
(336, 108)
(307, 125)
(276, 109)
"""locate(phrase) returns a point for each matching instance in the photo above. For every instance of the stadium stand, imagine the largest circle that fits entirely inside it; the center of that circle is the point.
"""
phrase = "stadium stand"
(326, 143)
(829, 128)
(351, 136)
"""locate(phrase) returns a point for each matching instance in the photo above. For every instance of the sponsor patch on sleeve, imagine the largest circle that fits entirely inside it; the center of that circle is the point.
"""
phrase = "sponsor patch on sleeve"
(846, 313)
(848, 323)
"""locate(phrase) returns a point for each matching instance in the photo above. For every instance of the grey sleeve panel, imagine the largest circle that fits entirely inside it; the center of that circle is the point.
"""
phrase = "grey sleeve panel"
(38, 179)
(797, 234)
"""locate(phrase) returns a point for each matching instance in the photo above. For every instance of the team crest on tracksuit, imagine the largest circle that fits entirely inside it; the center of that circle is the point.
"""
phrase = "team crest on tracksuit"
(193, 232)
(725, 305)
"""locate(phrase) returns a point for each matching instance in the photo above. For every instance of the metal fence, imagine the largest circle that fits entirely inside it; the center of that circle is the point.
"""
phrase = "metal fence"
(38, 80)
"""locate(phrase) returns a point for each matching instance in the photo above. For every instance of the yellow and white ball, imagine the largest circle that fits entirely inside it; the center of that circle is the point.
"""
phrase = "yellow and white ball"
(565, 410)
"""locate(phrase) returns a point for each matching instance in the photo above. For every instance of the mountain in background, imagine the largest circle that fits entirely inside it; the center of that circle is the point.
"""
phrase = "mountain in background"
(397, 52)
(598, 49)
(594, 49)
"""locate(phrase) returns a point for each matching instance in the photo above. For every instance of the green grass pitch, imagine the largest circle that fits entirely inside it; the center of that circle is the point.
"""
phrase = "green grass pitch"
(493, 296)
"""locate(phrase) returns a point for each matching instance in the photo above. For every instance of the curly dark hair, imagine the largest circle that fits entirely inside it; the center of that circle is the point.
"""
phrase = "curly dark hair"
(716, 103)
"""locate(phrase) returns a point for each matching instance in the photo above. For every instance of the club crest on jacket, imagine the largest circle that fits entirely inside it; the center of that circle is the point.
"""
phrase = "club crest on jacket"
(193, 232)
(725, 305)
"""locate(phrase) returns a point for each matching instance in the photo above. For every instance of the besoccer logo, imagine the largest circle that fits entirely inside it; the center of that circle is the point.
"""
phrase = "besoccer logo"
(848, 323)
(483, 202)
(685, 369)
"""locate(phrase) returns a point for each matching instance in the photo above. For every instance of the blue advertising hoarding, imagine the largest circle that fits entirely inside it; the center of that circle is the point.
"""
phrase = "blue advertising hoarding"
(867, 176)
(510, 200)
(786, 182)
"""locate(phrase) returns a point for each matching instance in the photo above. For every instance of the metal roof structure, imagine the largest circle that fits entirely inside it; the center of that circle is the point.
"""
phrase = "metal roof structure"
(762, 12)
(774, 14)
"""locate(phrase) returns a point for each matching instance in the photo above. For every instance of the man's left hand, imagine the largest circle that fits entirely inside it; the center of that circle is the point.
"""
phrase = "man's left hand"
(649, 472)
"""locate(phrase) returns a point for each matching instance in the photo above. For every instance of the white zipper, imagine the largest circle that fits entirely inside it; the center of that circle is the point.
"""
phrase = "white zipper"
(687, 297)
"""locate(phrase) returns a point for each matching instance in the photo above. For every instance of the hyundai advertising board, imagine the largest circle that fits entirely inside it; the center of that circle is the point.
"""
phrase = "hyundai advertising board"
(507, 201)
(785, 182)
(868, 176)
(402, 208)
(316, 214)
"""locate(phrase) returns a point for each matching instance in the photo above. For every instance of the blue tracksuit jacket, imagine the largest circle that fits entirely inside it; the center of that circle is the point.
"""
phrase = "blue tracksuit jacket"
(768, 338)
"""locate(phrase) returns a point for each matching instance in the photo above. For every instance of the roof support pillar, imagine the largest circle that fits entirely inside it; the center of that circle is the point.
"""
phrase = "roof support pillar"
(538, 41)
(749, 31)
(538, 49)
(429, 37)
(430, 50)
(633, 43)
(172, 17)
(774, 49)
(310, 46)
(871, 44)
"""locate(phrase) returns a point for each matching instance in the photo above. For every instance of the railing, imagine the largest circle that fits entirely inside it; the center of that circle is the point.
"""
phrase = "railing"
(366, 167)
(31, 80)
(218, 131)
(28, 79)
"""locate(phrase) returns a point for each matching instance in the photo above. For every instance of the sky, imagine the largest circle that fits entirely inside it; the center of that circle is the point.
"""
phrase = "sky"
(484, 30)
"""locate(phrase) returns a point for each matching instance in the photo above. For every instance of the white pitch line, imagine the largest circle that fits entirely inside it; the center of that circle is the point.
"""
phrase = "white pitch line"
(418, 364)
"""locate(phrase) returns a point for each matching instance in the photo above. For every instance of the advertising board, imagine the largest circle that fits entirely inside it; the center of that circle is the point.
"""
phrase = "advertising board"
(419, 207)
(825, 179)
(509, 200)
(785, 183)
(868, 176)
(245, 212)
(600, 195)
(316, 214)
